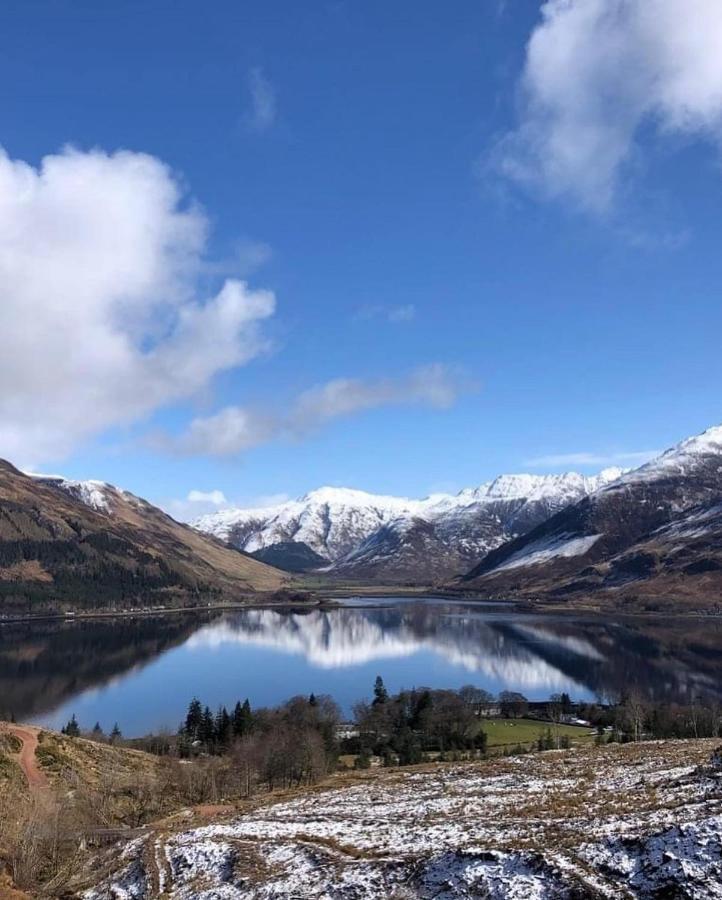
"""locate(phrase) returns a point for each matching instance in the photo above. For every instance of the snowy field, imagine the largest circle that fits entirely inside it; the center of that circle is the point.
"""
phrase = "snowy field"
(620, 821)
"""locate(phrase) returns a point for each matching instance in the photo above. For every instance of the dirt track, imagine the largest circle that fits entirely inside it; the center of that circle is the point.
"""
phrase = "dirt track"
(26, 758)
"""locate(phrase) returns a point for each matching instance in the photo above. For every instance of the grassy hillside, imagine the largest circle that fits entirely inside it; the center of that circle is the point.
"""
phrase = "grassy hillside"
(87, 789)
(57, 551)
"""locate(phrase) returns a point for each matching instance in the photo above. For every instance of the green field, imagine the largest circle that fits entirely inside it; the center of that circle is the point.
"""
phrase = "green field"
(505, 732)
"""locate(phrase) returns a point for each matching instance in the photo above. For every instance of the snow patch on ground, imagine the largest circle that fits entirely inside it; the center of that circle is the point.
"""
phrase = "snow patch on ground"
(635, 821)
(682, 861)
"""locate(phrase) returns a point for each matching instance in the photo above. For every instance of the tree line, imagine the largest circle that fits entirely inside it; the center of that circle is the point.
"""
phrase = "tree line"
(301, 740)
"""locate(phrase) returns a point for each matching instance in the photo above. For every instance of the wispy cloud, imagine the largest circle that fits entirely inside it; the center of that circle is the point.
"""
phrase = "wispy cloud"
(199, 503)
(263, 111)
(217, 498)
(433, 385)
(585, 458)
(234, 429)
(405, 312)
(245, 256)
(596, 73)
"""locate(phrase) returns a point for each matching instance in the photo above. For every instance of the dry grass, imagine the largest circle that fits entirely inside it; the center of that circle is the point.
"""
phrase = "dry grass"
(27, 570)
(546, 805)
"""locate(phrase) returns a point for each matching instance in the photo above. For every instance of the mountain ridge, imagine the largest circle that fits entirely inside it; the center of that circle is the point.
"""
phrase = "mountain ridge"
(366, 535)
(655, 534)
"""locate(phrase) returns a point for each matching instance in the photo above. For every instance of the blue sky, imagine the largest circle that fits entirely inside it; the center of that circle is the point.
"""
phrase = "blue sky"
(464, 256)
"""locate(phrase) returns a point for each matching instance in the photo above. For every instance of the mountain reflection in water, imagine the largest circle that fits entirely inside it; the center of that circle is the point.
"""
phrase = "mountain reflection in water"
(142, 672)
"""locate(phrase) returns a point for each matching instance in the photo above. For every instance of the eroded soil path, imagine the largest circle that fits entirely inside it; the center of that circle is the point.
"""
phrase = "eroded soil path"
(26, 758)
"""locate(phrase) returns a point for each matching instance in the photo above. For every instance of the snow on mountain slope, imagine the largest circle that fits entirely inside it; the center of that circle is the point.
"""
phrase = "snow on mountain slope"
(92, 493)
(369, 535)
(545, 550)
(655, 531)
(331, 521)
(682, 459)
(98, 495)
(446, 537)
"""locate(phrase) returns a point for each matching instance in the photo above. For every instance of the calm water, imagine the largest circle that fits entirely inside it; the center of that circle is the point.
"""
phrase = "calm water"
(142, 672)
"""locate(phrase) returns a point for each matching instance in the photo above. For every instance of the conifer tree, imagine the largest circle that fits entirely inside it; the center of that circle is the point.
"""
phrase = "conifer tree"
(236, 719)
(194, 718)
(223, 727)
(206, 731)
(381, 695)
(72, 729)
(242, 718)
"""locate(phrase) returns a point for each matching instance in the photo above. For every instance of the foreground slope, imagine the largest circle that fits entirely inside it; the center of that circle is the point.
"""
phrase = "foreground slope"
(635, 820)
(58, 794)
(90, 544)
(654, 535)
(370, 537)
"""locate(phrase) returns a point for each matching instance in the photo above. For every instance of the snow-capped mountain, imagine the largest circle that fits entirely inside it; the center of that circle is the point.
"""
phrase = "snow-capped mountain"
(331, 521)
(654, 532)
(381, 537)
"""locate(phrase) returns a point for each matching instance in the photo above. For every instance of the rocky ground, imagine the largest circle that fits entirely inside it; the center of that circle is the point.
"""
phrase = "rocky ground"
(638, 820)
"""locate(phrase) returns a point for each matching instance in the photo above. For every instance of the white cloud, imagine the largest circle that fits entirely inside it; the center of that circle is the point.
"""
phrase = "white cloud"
(217, 498)
(262, 114)
(235, 429)
(193, 506)
(596, 73)
(633, 457)
(100, 319)
(227, 432)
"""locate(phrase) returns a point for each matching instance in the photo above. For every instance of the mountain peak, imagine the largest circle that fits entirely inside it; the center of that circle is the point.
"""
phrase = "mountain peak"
(343, 496)
(537, 487)
(680, 459)
(707, 443)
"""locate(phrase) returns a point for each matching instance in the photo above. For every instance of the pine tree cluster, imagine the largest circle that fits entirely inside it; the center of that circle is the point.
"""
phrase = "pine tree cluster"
(214, 733)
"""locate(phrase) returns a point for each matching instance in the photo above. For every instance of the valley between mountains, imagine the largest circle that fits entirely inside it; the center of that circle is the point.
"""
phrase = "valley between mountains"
(643, 540)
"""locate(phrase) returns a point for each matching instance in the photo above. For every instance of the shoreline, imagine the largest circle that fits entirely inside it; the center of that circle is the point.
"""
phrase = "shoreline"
(328, 599)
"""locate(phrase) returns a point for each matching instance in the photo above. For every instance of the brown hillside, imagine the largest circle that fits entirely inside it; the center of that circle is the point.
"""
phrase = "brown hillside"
(57, 550)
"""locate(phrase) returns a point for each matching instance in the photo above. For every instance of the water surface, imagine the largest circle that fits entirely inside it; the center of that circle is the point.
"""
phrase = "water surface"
(141, 672)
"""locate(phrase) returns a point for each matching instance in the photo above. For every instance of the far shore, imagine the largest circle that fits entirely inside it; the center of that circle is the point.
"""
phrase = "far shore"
(330, 597)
